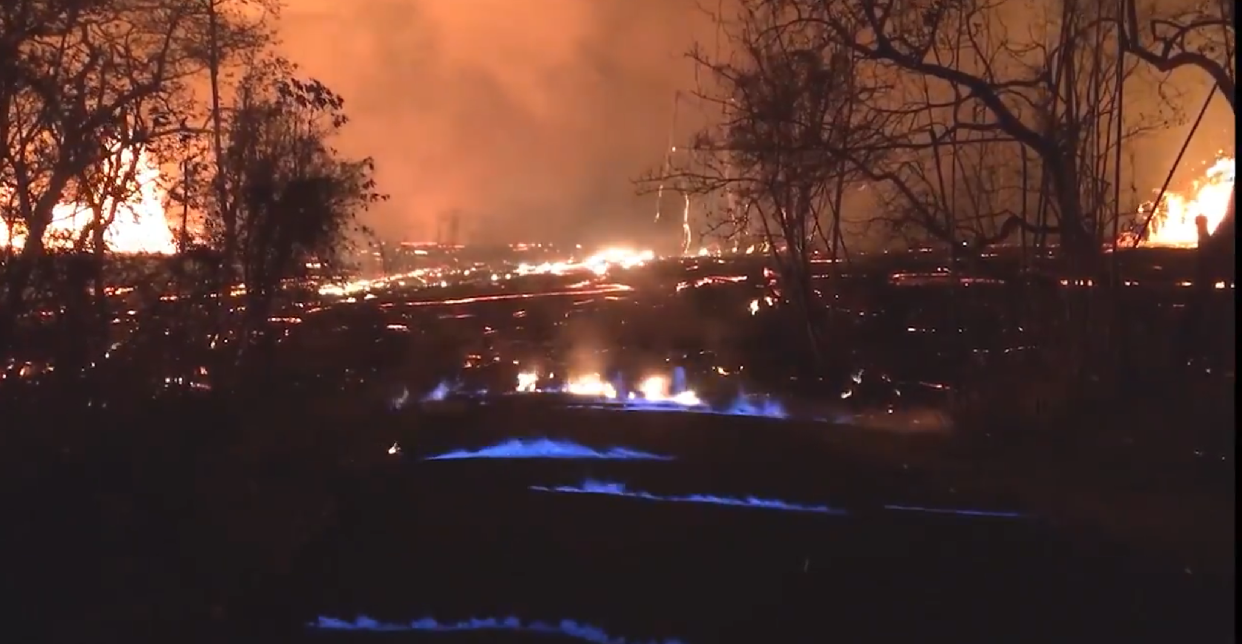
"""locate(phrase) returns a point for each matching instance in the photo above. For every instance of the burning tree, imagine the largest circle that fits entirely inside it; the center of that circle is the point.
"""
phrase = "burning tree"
(786, 146)
(997, 129)
(1044, 109)
(1200, 35)
(76, 78)
(84, 85)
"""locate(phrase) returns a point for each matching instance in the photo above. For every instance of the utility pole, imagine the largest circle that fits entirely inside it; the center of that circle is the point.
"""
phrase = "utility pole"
(227, 214)
(454, 226)
(183, 240)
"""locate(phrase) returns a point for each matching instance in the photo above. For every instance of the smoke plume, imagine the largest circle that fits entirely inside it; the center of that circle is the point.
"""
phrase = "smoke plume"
(529, 118)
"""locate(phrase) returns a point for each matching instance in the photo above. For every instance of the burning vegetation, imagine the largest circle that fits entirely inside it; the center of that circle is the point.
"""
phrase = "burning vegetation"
(1173, 224)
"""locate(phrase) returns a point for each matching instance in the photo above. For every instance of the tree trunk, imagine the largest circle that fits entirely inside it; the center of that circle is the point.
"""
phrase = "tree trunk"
(227, 213)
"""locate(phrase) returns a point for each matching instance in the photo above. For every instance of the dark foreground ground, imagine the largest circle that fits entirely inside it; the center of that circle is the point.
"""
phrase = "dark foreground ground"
(239, 520)
(398, 538)
(461, 539)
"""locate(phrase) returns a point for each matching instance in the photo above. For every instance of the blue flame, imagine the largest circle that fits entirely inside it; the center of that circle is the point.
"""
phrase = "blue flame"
(570, 628)
(765, 408)
(546, 448)
(743, 405)
(739, 407)
(956, 511)
(679, 379)
(618, 489)
(398, 402)
(441, 392)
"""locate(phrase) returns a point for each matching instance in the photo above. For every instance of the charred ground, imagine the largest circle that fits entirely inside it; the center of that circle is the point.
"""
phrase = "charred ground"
(253, 511)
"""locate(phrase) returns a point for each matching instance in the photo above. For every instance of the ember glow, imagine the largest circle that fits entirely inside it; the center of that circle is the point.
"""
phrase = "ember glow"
(564, 628)
(597, 265)
(652, 389)
(619, 489)
(658, 389)
(652, 393)
(1174, 222)
(139, 225)
(591, 386)
(547, 448)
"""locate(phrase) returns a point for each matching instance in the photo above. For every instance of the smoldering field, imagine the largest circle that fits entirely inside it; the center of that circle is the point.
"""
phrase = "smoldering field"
(310, 495)
(529, 119)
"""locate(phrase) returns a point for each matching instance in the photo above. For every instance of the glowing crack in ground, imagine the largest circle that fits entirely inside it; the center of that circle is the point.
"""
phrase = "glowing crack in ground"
(546, 448)
(618, 489)
(569, 628)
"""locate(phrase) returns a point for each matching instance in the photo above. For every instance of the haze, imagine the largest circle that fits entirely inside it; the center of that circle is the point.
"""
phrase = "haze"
(531, 118)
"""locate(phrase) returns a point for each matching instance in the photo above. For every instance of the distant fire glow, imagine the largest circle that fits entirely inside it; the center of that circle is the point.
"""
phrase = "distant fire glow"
(564, 628)
(599, 263)
(139, 225)
(547, 448)
(619, 489)
(1174, 222)
(590, 385)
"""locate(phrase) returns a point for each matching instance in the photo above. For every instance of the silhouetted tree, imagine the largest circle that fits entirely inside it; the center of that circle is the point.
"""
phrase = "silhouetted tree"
(80, 80)
(1203, 37)
(781, 150)
(295, 198)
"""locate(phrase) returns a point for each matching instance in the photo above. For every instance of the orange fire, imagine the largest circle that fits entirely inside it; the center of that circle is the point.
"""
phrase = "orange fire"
(1174, 223)
(139, 225)
(599, 263)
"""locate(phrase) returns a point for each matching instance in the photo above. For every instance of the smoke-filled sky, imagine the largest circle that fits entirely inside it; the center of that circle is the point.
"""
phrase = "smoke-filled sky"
(532, 117)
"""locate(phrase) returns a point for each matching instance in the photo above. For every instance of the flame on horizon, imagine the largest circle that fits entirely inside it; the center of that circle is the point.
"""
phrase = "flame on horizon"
(1174, 222)
(140, 226)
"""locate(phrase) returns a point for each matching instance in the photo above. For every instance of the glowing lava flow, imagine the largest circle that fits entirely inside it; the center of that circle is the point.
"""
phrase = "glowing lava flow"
(599, 263)
(619, 489)
(139, 225)
(1174, 222)
(567, 628)
(545, 448)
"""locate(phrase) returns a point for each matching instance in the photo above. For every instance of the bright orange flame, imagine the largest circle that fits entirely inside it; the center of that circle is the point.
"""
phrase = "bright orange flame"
(1174, 223)
(590, 385)
(139, 225)
(599, 263)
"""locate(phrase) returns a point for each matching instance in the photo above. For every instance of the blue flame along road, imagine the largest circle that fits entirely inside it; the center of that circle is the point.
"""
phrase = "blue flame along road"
(619, 489)
(548, 449)
(567, 628)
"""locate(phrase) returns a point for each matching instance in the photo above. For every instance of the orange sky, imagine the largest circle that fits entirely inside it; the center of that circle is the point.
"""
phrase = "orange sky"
(532, 117)
(525, 115)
